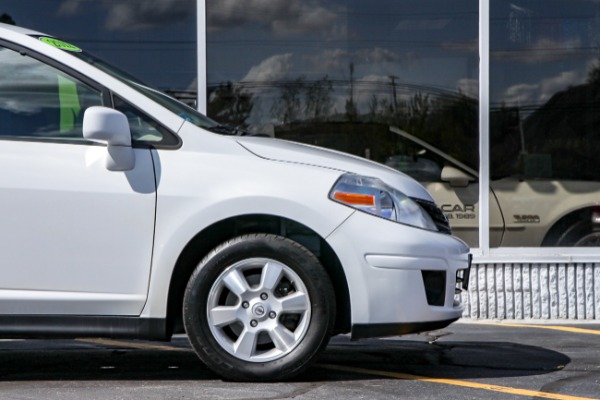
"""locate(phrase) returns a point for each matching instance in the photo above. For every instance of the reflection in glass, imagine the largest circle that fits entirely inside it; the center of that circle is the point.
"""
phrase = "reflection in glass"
(545, 120)
(37, 100)
(154, 40)
(351, 75)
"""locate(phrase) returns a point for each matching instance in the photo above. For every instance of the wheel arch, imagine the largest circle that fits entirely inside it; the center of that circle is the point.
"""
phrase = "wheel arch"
(559, 228)
(209, 238)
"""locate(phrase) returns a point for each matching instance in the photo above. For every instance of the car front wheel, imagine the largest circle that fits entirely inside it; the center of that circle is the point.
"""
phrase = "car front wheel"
(259, 307)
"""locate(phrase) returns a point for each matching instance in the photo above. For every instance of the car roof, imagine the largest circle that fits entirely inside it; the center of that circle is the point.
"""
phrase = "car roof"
(18, 29)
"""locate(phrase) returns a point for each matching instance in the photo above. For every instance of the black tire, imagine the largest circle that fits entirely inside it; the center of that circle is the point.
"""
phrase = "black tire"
(245, 337)
(581, 234)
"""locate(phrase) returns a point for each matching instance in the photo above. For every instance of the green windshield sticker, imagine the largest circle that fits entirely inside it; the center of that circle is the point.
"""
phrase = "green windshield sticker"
(59, 44)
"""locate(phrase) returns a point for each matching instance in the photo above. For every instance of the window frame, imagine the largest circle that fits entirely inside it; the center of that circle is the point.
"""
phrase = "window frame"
(173, 140)
(506, 255)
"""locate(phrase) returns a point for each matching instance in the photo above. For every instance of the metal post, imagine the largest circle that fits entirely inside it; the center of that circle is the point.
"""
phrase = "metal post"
(484, 127)
(201, 55)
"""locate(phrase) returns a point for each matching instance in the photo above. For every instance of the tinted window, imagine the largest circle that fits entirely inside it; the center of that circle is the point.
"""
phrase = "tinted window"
(143, 128)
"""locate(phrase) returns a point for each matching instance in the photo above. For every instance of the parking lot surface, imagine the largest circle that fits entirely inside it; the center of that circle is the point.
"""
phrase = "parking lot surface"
(464, 361)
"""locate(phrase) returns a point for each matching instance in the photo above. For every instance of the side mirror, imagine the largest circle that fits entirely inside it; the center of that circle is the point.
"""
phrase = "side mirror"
(111, 127)
(456, 177)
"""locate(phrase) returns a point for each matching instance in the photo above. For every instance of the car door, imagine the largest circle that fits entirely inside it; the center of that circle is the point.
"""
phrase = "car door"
(75, 238)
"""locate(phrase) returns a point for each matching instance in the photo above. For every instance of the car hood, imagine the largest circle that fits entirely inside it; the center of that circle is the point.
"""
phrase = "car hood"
(285, 151)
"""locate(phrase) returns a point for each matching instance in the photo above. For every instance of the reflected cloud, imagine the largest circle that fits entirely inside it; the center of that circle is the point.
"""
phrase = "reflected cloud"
(274, 68)
(550, 86)
(330, 60)
(378, 87)
(136, 15)
(377, 55)
(544, 50)
(468, 87)
(338, 60)
(521, 94)
(29, 96)
(282, 17)
(538, 93)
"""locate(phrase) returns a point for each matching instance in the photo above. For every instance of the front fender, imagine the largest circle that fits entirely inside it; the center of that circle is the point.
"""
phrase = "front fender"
(219, 189)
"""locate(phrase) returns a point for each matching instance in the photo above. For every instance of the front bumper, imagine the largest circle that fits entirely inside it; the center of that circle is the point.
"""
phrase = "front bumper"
(401, 279)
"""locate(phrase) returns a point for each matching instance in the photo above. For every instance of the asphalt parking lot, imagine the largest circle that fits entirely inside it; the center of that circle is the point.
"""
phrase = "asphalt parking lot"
(463, 361)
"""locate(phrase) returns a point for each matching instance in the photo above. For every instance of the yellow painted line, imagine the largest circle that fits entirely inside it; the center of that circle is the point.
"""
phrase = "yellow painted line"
(552, 327)
(133, 345)
(364, 371)
(453, 382)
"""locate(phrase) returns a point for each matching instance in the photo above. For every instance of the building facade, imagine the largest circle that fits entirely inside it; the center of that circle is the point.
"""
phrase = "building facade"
(493, 105)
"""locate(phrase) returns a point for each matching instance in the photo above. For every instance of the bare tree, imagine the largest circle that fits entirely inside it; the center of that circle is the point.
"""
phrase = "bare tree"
(318, 98)
(7, 19)
(289, 106)
(231, 105)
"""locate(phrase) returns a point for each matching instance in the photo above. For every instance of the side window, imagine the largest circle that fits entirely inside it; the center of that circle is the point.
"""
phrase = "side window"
(40, 101)
(417, 162)
(143, 128)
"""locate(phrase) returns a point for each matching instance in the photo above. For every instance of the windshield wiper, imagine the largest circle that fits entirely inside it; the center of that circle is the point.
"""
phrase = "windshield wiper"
(229, 130)
(223, 129)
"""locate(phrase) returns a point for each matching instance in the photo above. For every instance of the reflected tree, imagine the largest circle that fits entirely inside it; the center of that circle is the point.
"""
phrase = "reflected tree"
(7, 19)
(318, 98)
(373, 107)
(594, 74)
(565, 129)
(351, 111)
(231, 105)
(453, 127)
(289, 106)
(419, 109)
(448, 122)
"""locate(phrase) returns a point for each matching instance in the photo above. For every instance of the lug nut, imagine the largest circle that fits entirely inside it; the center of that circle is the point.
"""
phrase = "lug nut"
(245, 304)
(272, 315)
(264, 296)
(253, 323)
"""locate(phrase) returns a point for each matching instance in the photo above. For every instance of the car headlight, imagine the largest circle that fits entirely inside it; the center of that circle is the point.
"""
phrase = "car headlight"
(373, 196)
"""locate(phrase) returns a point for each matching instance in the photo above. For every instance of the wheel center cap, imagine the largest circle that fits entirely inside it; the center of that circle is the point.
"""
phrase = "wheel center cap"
(259, 310)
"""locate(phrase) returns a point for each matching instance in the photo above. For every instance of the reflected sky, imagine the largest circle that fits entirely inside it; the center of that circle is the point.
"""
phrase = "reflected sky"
(428, 42)
(153, 39)
(376, 50)
(538, 47)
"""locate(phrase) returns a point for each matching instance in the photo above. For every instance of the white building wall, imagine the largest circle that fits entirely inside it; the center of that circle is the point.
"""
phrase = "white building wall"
(533, 291)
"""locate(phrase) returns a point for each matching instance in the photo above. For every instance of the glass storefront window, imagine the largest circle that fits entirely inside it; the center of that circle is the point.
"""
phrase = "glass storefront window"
(545, 121)
(392, 81)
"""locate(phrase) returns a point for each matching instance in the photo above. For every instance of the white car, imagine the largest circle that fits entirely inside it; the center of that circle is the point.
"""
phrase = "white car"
(123, 214)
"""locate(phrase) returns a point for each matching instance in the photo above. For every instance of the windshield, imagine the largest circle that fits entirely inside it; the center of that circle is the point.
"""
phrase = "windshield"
(183, 110)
